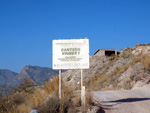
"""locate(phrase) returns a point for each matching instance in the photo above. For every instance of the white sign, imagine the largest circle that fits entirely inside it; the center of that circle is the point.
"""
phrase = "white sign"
(71, 54)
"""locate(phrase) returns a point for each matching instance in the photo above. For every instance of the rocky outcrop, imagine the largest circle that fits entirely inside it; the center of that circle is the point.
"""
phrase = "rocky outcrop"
(139, 49)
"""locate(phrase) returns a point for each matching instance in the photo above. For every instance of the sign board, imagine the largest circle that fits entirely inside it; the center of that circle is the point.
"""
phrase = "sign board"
(71, 54)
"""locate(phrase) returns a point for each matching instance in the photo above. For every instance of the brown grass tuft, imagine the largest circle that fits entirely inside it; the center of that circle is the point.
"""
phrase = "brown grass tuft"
(146, 62)
(88, 99)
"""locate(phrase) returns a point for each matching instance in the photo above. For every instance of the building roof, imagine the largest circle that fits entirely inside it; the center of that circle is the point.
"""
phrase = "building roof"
(104, 50)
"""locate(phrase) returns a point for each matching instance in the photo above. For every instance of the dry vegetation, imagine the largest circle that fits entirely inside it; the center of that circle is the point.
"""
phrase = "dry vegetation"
(44, 99)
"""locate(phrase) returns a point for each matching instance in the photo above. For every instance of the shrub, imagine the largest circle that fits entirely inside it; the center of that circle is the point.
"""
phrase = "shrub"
(68, 78)
(88, 99)
(18, 99)
(45, 98)
(48, 94)
(26, 86)
(146, 62)
(51, 106)
(54, 105)
(113, 57)
(127, 85)
(77, 101)
(6, 105)
(125, 55)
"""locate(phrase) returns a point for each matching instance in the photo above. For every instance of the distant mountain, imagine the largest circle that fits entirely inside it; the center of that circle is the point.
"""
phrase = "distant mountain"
(36, 73)
(7, 77)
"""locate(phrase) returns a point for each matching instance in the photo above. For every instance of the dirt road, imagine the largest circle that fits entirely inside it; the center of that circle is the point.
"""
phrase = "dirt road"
(124, 101)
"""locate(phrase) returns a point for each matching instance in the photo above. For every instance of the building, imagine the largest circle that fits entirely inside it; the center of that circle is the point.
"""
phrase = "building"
(105, 52)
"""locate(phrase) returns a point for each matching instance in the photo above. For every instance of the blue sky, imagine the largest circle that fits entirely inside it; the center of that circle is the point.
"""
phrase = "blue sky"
(27, 27)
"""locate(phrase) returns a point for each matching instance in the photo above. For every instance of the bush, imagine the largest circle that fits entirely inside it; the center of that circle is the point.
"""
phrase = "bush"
(51, 106)
(77, 101)
(127, 85)
(146, 62)
(18, 99)
(113, 57)
(54, 105)
(125, 55)
(27, 86)
(88, 99)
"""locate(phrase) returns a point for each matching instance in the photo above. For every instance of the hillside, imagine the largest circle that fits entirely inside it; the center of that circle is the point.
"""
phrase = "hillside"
(127, 70)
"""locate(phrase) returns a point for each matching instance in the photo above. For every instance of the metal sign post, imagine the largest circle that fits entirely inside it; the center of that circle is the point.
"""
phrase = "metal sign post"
(82, 90)
(60, 84)
(81, 85)
(83, 96)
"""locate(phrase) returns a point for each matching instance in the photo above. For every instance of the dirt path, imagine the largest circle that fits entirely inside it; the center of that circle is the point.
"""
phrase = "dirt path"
(124, 101)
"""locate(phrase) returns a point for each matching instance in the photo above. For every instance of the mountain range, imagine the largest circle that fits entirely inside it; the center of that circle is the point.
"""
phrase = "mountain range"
(37, 74)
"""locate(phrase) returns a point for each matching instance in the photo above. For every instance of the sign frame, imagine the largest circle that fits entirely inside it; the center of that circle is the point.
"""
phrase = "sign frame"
(70, 54)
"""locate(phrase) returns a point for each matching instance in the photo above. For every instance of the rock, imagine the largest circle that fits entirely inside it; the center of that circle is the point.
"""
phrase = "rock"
(34, 111)
(138, 85)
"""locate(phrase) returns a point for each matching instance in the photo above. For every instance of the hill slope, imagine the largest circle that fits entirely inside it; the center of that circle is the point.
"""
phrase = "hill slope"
(129, 69)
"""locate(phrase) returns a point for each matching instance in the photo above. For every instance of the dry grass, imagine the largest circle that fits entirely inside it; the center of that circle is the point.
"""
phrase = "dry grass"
(113, 57)
(42, 94)
(48, 91)
(13, 104)
(125, 55)
(146, 62)
(88, 99)
(127, 85)
(24, 103)
(77, 101)
(23, 108)
(107, 66)
(54, 105)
